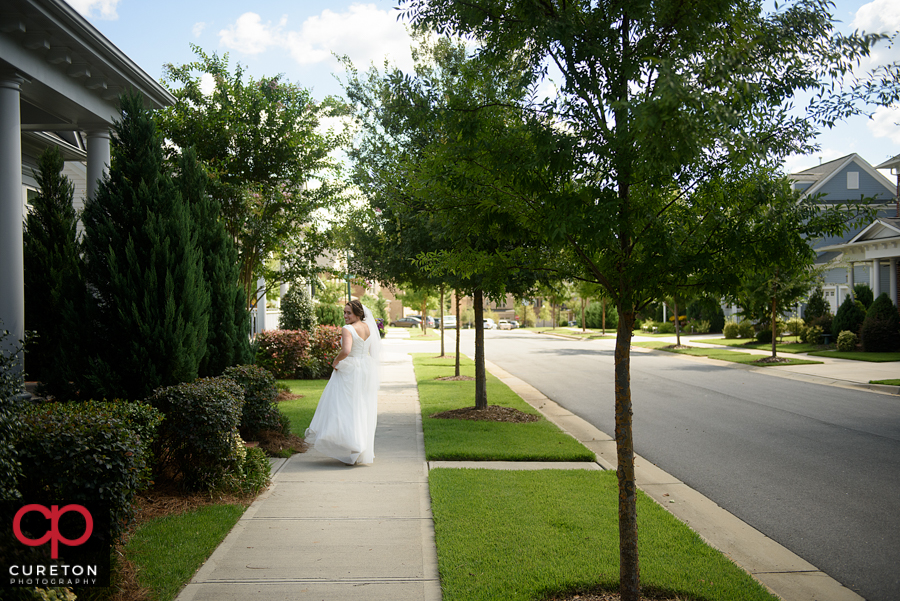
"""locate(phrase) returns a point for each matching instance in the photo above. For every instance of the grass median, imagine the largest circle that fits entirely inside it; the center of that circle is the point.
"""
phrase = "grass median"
(723, 354)
(466, 440)
(543, 534)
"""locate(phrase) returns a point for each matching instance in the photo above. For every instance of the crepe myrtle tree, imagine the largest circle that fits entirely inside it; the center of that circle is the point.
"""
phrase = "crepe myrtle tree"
(652, 169)
(269, 159)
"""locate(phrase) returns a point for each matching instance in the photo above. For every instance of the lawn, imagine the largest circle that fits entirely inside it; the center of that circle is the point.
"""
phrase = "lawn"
(300, 411)
(788, 344)
(721, 354)
(527, 535)
(887, 382)
(464, 440)
(167, 551)
(860, 356)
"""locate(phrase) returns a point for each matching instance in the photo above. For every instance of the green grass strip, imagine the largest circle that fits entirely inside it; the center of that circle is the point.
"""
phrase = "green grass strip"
(300, 411)
(167, 551)
(887, 382)
(528, 535)
(860, 356)
(465, 440)
(791, 344)
(721, 354)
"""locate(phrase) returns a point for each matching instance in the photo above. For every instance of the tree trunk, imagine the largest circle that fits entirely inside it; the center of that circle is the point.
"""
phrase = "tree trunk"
(425, 314)
(442, 320)
(677, 323)
(774, 311)
(458, 329)
(629, 567)
(480, 376)
(583, 325)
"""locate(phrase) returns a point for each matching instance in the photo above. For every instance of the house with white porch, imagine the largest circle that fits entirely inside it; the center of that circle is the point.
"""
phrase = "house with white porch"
(869, 252)
(60, 80)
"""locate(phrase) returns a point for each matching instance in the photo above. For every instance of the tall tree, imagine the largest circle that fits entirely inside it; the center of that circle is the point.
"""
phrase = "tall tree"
(227, 341)
(143, 268)
(52, 275)
(651, 168)
(269, 162)
(428, 215)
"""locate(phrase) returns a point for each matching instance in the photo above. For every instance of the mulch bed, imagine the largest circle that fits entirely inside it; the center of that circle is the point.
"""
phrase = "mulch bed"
(455, 379)
(494, 413)
(773, 360)
(607, 596)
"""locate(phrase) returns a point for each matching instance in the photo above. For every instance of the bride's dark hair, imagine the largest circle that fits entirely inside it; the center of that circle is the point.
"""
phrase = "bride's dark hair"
(357, 308)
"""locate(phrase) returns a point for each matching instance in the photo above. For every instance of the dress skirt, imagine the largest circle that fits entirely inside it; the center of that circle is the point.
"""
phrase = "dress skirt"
(343, 426)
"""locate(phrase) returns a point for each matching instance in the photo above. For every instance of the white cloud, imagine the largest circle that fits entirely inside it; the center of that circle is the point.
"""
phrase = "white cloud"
(87, 8)
(363, 32)
(251, 36)
(885, 123)
(880, 16)
(198, 28)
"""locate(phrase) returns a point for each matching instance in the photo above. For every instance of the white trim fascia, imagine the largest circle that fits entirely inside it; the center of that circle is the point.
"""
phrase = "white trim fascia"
(861, 162)
(857, 239)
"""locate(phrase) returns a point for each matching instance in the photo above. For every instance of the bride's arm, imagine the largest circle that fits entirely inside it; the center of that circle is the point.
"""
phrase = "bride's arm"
(346, 345)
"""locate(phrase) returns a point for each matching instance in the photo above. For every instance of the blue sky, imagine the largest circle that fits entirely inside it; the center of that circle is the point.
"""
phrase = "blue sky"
(297, 38)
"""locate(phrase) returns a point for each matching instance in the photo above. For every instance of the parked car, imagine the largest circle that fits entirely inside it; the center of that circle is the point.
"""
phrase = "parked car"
(429, 320)
(449, 322)
(407, 322)
(507, 324)
(489, 324)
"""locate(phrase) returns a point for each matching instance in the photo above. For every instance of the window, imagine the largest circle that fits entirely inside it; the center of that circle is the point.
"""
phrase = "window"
(853, 180)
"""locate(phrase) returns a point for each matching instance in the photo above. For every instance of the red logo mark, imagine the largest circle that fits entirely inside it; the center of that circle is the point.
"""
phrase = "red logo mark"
(53, 514)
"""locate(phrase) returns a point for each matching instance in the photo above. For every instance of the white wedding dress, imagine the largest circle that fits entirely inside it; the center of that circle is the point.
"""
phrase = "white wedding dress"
(343, 426)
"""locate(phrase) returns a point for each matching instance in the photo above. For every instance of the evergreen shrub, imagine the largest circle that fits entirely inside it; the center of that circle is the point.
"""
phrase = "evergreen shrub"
(10, 387)
(329, 315)
(850, 316)
(298, 312)
(324, 347)
(864, 294)
(814, 335)
(847, 341)
(824, 322)
(260, 390)
(731, 330)
(82, 451)
(745, 329)
(880, 331)
(197, 440)
(816, 306)
(794, 325)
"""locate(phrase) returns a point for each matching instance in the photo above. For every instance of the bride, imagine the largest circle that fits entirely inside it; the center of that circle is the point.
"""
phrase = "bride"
(343, 426)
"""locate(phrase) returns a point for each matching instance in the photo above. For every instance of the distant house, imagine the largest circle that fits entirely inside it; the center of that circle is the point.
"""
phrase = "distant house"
(60, 80)
(868, 253)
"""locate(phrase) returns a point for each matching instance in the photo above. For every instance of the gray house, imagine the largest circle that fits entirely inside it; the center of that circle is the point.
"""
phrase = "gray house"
(868, 253)
(59, 84)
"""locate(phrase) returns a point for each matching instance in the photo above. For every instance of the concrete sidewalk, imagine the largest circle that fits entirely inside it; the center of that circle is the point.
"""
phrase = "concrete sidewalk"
(327, 531)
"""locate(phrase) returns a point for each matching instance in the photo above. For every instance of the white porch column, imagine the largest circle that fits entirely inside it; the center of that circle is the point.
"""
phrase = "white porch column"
(875, 278)
(12, 268)
(849, 281)
(261, 306)
(893, 281)
(98, 159)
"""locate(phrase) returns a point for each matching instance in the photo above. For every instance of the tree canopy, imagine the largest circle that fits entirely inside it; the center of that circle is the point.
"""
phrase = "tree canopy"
(269, 161)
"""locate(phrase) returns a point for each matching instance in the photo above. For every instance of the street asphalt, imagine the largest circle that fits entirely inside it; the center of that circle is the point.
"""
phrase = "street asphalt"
(326, 531)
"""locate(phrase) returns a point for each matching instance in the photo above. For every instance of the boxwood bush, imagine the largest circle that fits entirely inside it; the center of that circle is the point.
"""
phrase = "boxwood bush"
(197, 440)
(846, 341)
(260, 390)
(87, 451)
(731, 330)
